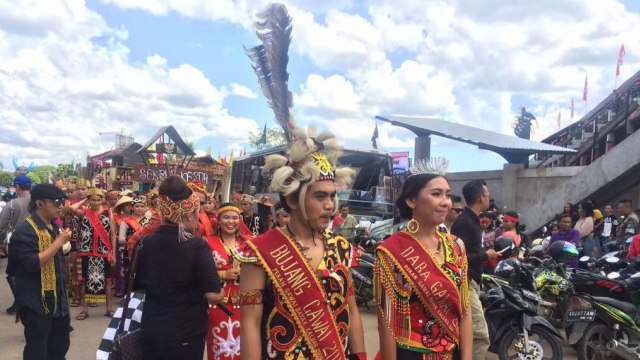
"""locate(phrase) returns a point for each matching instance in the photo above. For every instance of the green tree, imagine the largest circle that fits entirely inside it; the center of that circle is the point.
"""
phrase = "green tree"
(43, 172)
(35, 179)
(275, 137)
(66, 170)
(1, 166)
(6, 178)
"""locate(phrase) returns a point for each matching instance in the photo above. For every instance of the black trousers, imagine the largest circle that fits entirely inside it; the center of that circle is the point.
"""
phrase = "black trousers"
(47, 338)
(173, 350)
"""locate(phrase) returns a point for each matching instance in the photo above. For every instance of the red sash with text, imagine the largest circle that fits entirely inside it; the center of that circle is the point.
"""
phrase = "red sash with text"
(427, 280)
(302, 292)
(133, 223)
(99, 234)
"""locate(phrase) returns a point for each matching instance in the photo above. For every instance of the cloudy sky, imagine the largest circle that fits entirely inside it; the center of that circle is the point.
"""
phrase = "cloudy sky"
(71, 69)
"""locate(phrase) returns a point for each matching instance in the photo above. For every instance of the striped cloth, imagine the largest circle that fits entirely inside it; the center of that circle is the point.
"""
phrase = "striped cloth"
(132, 320)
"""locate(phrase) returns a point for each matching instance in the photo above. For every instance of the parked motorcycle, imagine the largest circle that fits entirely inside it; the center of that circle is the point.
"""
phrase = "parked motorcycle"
(511, 312)
(616, 332)
(362, 274)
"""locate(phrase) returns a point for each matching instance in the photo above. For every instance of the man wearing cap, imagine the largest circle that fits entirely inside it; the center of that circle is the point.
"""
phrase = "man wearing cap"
(36, 263)
(252, 220)
(11, 215)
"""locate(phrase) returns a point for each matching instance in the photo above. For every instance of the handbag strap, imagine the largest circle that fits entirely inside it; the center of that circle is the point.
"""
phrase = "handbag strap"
(132, 277)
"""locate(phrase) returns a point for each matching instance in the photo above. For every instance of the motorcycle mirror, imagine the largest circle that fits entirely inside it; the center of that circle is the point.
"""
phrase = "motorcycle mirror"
(614, 275)
(373, 220)
(613, 259)
(585, 258)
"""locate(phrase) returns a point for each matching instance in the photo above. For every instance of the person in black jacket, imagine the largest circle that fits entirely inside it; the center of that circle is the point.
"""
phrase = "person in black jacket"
(467, 227)
(37, 267)
(179, 276)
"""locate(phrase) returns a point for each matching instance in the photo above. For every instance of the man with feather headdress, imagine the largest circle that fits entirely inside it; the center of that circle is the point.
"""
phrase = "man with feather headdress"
(297, 301)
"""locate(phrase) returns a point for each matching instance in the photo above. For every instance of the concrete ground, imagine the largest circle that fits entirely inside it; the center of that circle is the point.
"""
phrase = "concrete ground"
(87, 334)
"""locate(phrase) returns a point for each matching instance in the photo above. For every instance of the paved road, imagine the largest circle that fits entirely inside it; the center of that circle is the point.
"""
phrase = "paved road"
(87, 334)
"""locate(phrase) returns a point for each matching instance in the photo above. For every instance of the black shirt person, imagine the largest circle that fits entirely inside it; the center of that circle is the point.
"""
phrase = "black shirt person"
(36, 263)
(467, 227)
(179, 276)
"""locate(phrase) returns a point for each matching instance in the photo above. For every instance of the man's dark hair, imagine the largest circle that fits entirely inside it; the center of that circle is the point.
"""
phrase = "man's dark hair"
(627, 202)
(175, 188)
(473, 190)
(342, 206)
(455, 198)
(562, 216)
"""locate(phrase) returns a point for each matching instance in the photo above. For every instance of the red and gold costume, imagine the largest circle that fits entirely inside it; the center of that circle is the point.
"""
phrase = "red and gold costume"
(223, 337)
(422, 297)
(95, 251)
(306, 312)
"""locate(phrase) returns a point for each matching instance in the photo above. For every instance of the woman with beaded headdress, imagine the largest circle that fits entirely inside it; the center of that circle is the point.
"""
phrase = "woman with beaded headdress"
(121, 214)
(228, 247)
(128, 227)
(420, 276)
(96, 249)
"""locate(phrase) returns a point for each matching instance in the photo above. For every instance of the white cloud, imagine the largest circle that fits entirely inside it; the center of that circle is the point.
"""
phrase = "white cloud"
(242, 91)
(464, 61)
(71, 79)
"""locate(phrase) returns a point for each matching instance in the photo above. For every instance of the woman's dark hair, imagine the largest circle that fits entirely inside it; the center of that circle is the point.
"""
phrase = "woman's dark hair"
(587, 208)
(570, 208)
(175, 188)
(410, 190)
(515, 215)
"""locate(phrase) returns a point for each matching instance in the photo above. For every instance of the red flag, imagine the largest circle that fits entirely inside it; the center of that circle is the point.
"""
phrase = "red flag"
(584, 93)
(620, 57)
(572, 107)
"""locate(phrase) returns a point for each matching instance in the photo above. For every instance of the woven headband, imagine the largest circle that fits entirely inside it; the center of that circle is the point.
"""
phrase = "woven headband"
(228, 208)
(175, 211)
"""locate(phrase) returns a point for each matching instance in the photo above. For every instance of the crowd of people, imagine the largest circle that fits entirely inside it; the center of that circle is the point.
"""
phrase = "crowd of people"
(276, 276)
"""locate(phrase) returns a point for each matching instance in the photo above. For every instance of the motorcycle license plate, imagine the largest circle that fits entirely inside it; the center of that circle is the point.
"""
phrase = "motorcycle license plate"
(581, 315)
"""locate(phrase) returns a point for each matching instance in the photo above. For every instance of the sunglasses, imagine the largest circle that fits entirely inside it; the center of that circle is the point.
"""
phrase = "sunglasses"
(58, 202)
(457, 210)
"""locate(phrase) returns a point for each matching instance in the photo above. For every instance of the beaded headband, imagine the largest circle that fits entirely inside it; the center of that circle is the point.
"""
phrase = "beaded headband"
(228, 208)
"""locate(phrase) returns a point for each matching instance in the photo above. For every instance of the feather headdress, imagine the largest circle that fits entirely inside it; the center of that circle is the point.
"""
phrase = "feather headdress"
(270, 60)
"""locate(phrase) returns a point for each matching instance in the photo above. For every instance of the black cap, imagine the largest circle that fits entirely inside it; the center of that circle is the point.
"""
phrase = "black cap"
(47, 191)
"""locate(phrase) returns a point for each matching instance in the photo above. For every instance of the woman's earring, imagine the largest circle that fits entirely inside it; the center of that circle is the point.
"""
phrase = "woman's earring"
(413, 226)
(183, 233)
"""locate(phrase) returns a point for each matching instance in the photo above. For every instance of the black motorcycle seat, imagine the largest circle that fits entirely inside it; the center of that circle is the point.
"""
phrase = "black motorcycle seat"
(628, 308)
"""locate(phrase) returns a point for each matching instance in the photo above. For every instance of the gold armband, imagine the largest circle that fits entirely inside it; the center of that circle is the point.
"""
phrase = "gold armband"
(251, 297)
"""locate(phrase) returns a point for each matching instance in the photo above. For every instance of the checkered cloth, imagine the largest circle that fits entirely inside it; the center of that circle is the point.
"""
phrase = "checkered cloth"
(132, 320)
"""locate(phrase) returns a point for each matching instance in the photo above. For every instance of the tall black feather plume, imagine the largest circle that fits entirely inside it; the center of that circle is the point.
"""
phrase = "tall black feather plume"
(270, 61)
